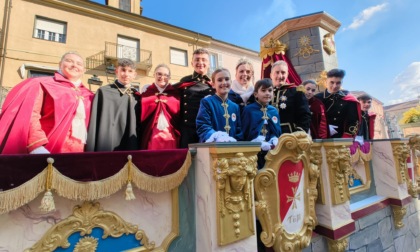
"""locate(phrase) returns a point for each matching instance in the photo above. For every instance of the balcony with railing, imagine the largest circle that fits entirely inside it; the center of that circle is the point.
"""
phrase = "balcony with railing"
(114, 51)
(142, 58)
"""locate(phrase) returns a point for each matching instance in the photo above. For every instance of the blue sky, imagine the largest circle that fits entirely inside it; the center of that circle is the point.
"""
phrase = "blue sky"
(378, 43)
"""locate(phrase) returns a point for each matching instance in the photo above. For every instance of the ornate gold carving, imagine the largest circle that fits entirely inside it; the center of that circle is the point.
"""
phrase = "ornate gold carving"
(85, 217)
(273, 47)
(321, 81)
(234, 177)
(265, 182)
(338, 160)
(399, 213)
(305, 50)
(293, 147)
(293, 177)
(414, 143)
(86, 244)
(338, 245)
(328, 43)
(401, 153)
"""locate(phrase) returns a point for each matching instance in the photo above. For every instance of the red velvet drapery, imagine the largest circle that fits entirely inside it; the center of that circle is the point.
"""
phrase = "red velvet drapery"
(265, 72)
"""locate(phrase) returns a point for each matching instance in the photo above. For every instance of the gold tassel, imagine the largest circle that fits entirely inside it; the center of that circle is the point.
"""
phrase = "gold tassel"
(129, 194)
(161, 184)
(47, 202)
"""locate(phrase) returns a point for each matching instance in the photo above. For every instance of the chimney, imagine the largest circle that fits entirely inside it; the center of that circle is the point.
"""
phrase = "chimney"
(132, 6)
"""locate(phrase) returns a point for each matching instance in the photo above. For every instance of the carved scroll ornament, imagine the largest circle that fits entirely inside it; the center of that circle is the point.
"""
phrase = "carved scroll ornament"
(85, 217)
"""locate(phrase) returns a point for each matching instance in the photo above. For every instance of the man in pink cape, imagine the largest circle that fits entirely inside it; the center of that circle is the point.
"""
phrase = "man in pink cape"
(47, 114)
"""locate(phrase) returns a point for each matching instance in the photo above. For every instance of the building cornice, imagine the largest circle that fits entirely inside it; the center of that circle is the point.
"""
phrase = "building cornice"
(99, 11)
(319, 19)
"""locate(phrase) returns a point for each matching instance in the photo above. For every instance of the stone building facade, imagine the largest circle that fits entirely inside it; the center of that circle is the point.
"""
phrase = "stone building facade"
(310, 43)
(32, 44)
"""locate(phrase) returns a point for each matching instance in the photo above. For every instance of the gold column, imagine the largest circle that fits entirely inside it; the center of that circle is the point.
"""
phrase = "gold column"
(338, 160)
(414, 143)
(401, 152)
(234, 170)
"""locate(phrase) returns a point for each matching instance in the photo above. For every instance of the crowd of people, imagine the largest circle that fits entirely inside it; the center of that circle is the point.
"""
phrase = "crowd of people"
(59, 114)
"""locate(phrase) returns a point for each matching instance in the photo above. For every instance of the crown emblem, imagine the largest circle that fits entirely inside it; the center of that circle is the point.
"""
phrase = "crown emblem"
(293, 177)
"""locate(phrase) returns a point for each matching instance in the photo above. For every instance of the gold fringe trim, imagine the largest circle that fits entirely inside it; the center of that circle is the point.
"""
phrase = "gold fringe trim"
(92, 190)
(23, 194)
(51, 179)
(161, 184)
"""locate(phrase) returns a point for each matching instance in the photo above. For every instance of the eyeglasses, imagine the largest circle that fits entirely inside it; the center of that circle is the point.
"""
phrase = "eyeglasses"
(162, 75)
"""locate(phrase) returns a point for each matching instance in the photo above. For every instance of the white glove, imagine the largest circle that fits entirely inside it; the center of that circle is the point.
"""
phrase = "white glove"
(215, 135)
(274, 141)
(265, 146)
(224, 139)
(259, 139)
(40, 150)
(332, 130)
(359, 139)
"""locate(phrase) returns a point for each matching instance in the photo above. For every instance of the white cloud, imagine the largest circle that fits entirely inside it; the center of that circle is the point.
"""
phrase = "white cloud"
(391, 92)
(408, 83)
(365, 15)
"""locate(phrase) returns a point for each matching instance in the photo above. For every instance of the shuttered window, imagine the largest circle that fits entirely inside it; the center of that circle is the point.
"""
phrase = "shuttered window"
(178, 57)
(49, 29)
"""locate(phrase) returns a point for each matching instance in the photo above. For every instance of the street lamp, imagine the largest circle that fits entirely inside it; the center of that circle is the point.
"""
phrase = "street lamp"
(94, 80)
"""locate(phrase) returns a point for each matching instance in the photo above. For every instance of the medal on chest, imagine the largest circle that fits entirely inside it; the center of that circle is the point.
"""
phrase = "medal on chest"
(283, 100)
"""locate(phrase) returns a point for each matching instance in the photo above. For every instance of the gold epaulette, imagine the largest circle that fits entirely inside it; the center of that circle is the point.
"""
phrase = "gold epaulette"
(300, 88)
